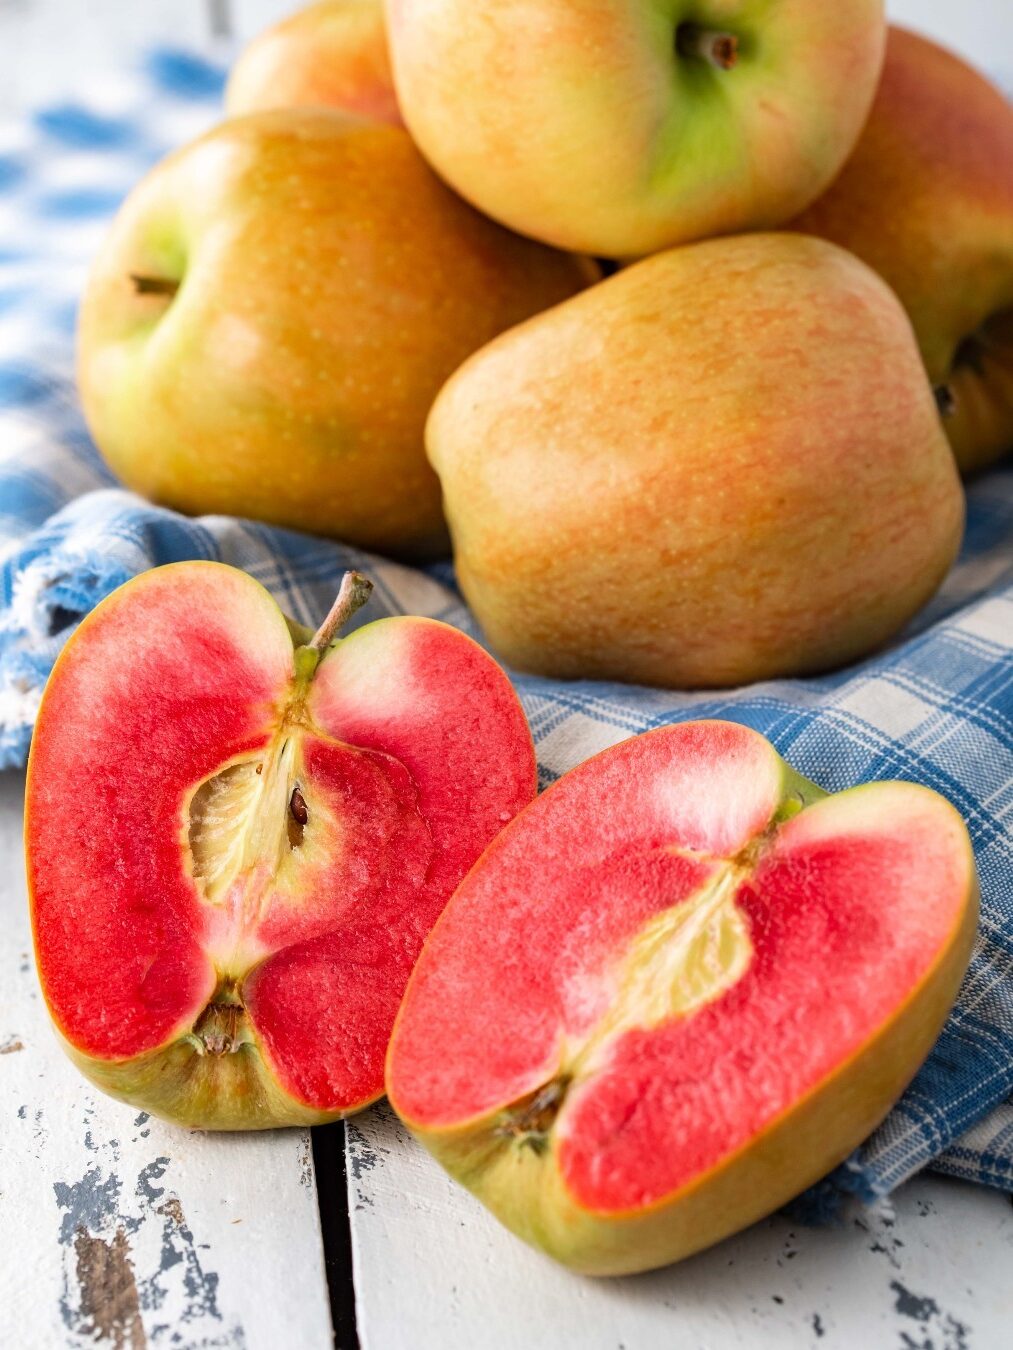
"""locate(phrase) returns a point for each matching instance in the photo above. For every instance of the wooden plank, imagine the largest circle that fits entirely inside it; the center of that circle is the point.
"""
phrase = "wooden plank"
(117, 1230)
(434, 1271)
(121, 1231)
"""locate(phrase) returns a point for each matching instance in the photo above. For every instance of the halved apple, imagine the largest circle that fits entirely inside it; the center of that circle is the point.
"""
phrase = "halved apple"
(680, 987)
(238, 836)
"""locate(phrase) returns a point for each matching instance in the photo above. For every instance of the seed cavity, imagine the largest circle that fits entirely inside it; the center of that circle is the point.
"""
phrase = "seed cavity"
(247, 818)
(681, 959)
(220, 812)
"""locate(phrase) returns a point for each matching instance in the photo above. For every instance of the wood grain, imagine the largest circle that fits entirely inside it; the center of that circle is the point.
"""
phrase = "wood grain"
(434, 1271)
(120, 1231)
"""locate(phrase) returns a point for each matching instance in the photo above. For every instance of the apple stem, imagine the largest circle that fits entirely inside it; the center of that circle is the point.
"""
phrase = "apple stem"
(355, 591)
(153, 285)
(720, 50)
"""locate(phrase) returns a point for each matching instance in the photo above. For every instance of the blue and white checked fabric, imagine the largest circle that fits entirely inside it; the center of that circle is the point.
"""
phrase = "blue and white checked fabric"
(937, 707)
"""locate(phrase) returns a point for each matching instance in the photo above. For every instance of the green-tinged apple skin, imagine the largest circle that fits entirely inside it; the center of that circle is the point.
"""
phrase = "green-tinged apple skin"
(238, 834)
(738, 463)
(681, 986)
(610, 127)
(927, 200)
(274, 310)
(332, 54)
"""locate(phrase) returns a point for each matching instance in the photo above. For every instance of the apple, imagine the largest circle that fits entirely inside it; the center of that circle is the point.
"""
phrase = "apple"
(680, 987)
(620, 128)
(239, 833)
(737, 463)
(332, 54)
(274, 311)
(927, 200)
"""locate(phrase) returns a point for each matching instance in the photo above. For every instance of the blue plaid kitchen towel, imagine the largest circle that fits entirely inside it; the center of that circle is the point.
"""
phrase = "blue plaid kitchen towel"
(936, 708)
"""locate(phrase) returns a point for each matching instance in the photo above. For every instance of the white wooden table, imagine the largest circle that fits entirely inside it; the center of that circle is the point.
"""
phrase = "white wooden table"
(117, 1231)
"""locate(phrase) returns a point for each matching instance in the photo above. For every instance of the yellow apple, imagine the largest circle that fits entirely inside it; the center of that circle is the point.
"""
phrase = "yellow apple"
(619, 127)
(332, 54)
(927, 200)
(723, 464)
(273, 313)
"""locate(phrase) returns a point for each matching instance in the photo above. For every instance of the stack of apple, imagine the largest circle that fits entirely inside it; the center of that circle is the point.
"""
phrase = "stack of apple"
(728, 462)
(276, 872)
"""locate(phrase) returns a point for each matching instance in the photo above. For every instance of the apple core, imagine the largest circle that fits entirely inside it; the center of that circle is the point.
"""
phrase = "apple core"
(680, 987)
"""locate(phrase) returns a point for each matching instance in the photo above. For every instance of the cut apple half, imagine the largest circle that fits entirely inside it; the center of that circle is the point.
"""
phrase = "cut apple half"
(679, 988)
(238, 836)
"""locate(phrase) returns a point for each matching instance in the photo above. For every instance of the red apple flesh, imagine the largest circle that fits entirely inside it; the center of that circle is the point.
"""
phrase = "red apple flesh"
(238, 837)
(677, 989)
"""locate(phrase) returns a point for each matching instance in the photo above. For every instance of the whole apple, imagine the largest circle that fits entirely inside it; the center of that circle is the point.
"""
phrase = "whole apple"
(273, 313)
(619, 127)
(332, 54)
(737, 463)
(927, 200)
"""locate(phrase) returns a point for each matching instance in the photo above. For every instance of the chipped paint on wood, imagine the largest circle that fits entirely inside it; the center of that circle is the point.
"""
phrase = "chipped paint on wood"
(122, 1232)
(934, 1326)
(109, 1306)
(924, 1272)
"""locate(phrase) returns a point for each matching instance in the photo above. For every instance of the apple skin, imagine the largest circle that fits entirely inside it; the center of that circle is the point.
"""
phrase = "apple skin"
(332, 54)
(289, 377)
(927, 200)
(738, 463)
(580, 123)
(712, 978)
(198, 961)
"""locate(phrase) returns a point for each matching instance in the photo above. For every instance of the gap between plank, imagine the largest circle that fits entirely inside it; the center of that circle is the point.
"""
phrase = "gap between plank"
(329, 1143)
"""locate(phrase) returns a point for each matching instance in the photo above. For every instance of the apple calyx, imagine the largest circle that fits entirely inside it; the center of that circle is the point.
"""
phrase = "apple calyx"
(145, 285)
(718, 49)
(529, 1123)
(221, 1028)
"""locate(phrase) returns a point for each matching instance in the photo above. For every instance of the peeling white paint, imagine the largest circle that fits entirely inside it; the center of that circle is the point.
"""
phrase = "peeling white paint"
(118, 1231)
